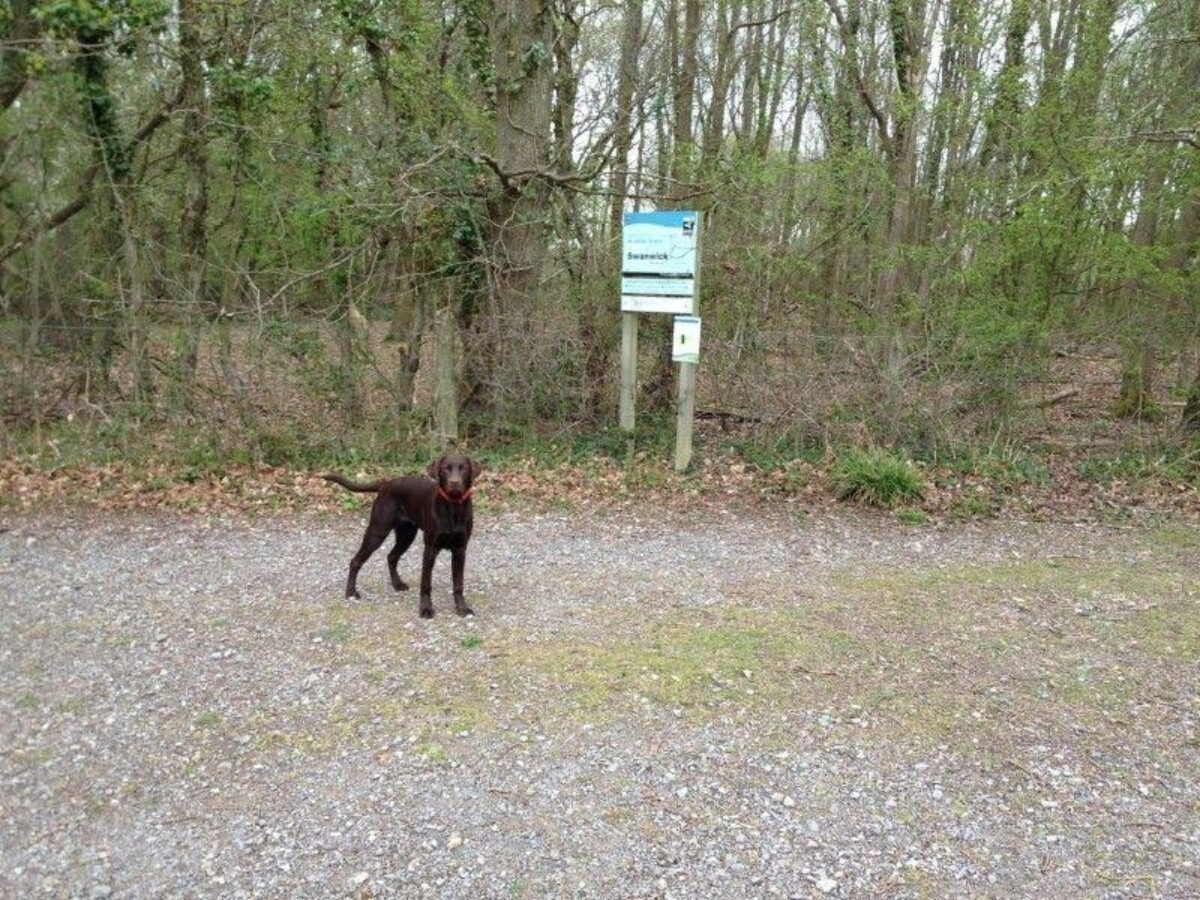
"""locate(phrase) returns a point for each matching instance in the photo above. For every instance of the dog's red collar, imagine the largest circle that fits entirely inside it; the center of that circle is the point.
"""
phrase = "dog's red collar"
(463, 498)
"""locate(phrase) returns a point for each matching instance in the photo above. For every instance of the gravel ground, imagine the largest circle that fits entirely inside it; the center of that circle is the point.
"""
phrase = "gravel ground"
(642, 708)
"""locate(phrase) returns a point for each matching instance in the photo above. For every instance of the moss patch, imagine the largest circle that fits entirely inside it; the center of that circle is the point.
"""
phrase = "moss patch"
(695, 660)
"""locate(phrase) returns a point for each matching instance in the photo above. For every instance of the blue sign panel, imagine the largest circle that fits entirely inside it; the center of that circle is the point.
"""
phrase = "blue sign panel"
(658, 261)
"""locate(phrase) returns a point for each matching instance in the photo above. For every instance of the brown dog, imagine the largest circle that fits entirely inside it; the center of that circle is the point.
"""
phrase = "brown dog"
(439, 506)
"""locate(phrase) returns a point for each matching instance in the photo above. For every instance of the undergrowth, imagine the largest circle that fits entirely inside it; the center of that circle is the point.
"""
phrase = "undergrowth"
(982, 477)
(877, 477)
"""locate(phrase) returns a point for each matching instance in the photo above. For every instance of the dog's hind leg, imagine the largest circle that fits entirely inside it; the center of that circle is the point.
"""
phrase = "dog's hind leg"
(406, 532)
(373, 537)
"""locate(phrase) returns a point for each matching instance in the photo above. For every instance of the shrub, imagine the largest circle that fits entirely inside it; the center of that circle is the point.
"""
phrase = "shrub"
(877, 478)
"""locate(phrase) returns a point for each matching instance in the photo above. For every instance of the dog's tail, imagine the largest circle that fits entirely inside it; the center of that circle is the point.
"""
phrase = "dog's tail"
(357, 486)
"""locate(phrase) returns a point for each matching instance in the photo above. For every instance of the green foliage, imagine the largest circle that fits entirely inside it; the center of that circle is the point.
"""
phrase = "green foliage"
(299, 340)
(654, 436)
(474, 15)
(1006, 466)
(498, 443)
(241, 87)
(876, 477)
(343, 165)
(971, 506)
(92, 22)
(768, 453)
(1174, 462)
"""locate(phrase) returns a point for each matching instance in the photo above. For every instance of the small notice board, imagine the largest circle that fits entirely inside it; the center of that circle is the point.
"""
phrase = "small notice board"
(685, 346)
(658, 262)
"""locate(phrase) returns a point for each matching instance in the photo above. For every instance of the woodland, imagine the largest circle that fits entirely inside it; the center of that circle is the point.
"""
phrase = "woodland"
(301, 227)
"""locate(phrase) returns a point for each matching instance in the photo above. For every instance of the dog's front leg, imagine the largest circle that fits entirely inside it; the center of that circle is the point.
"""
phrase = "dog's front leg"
(427, 561)
(458, 561)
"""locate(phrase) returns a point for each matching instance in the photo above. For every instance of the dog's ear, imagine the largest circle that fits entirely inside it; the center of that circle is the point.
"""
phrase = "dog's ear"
(476, 469)
(434, 467)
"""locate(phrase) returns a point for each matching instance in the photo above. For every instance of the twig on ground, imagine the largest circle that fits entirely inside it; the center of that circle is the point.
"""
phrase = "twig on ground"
(823, 672)
(1043, 402)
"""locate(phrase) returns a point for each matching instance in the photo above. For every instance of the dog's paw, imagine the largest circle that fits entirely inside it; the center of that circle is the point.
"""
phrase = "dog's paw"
(426, 612)
(399, 585)
(353, 595)
(464, 610)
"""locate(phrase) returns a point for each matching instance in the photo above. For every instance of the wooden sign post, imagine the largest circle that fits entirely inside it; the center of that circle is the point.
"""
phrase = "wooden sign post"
(685, 350)
(660, 267)
(629, 328)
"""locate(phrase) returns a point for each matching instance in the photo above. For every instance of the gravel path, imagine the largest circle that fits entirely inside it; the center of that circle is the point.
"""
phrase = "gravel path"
(772, 708)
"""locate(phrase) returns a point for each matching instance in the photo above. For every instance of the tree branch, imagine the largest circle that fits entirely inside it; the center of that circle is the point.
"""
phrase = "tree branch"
(511, 181)
(65, 213)
(758, 23)
(1171, 136)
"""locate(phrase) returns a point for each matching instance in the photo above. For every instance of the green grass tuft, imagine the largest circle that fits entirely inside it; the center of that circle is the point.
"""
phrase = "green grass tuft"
(877, 478)
(208, 719)
(434, 753)
(912, 517)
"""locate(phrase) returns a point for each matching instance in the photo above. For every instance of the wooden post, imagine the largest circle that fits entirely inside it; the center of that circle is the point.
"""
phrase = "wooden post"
(685, 416)
(629, 342)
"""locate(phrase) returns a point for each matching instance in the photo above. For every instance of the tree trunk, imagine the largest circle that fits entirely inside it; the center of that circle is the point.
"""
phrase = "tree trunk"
(408, 319)
(684, 101)
(1049, 107)
(787, 221)
(714, 130)
(349, 342)
(1185, 252)
(631, 42)
(115, 157)
(1190, 419)
(772, 82)
(909, 59)
(599, 312)
(379, 68)
(844, 127)
(1136, 397)
(1003, 117)
(194, 153)
(522, 145)
(522, 37)
(664, 160)
(752, 51)
(944, 109)
(950, 193)
(22, 28)
(566, 86)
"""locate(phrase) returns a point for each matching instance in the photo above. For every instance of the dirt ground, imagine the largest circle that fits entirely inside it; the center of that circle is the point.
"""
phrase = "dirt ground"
(645, 706)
